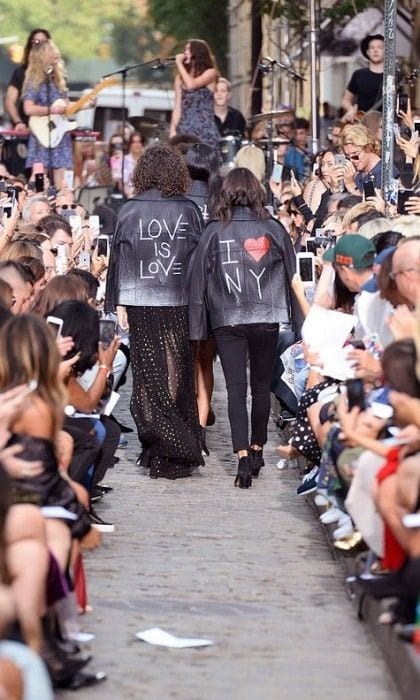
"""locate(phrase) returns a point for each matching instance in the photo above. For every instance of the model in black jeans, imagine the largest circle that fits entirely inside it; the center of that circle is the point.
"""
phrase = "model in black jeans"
(241, 288)
(234, 344)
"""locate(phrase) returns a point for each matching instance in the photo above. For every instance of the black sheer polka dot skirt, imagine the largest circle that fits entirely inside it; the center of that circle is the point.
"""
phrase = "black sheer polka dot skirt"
(163, 403)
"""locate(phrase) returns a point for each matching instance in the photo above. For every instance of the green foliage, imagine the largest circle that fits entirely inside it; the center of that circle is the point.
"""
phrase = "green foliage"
(297, 11)
(193, 19)
(78, 28)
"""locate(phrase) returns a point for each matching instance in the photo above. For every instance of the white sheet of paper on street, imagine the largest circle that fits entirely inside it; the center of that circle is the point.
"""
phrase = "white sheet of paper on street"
(159, 637)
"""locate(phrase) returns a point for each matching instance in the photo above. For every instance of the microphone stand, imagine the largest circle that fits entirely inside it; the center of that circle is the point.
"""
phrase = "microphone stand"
(268, 66)
(50, 169)
(153, 63)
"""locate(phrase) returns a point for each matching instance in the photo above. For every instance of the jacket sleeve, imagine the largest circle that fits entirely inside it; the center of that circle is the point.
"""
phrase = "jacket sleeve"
(289, 254)
(197, 306)
(112, 275)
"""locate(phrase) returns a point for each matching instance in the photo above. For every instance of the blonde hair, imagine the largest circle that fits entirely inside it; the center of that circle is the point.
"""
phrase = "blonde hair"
(251, 157)
(226, 82)
(38, 62)
(359, 135)
(352, 214)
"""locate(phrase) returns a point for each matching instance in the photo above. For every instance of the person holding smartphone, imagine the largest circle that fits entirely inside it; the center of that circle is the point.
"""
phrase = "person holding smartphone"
(363, 162)
(195, 86)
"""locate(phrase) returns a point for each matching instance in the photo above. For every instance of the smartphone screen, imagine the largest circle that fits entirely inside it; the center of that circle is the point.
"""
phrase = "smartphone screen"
(340, 159)
(305, 269)
(402, 103)
(103, 246)
(39, 182)
(68, 178)
(355, 394)
(403, 195)
(277, 172)
(106, 332)
(369, 189)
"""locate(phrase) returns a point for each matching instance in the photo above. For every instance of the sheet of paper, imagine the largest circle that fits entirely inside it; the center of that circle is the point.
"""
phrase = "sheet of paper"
(58, 512)
(111, 403)
(159, 637)
(324, 329)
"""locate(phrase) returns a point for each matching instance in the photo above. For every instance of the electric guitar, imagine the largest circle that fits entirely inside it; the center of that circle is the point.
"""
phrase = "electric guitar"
(50, 130)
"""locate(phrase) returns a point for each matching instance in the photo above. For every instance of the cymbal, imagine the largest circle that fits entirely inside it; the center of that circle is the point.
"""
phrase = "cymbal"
(265, 116)
(146, 125)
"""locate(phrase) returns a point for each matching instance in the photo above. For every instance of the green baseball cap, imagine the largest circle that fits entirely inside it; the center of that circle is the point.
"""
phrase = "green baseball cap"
(352, 250)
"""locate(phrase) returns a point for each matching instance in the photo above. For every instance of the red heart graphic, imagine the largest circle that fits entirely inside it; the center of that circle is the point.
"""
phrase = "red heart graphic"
(257, 247)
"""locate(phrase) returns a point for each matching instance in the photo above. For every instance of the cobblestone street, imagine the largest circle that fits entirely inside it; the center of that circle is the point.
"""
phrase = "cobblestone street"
(249, 569)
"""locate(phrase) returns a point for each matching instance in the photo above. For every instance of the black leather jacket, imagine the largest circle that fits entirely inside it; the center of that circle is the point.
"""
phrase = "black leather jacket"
(242, 273)
(150, 256)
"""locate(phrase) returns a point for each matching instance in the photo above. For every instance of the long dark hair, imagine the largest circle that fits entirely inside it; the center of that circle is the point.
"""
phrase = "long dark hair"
(201, 57)
(29, 43)
(203, 165)
(241, 189)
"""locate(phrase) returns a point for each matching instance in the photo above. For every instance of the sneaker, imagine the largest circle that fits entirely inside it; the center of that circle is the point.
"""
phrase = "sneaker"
(332, 515)
(98, 523)
(96, 494)
(345, 529)
(320, 500)
(309, 482)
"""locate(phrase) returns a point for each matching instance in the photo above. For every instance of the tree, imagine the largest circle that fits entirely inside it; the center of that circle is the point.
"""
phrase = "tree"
(193, 19)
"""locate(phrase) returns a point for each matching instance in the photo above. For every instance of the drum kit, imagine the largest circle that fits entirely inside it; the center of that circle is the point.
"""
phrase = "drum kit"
(231, 144)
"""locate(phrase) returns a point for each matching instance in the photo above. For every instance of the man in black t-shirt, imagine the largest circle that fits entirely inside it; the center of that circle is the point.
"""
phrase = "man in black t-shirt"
(12, 102)
(364, 91)
(228, 120)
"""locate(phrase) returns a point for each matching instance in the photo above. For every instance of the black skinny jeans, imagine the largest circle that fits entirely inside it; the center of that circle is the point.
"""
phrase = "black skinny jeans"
(234, 343)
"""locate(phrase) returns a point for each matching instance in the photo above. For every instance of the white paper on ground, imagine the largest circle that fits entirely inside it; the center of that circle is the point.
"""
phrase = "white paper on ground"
(159, 637)
(83, 637)
(58, 512)
(111, 403)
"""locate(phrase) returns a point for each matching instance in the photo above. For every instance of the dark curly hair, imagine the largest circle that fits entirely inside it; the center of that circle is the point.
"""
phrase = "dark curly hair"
(161, 168)
(241, 189)
(81, 323)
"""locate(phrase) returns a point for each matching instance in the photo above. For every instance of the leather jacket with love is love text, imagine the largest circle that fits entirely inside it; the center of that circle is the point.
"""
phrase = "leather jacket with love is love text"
(150, 256)
(241, 274)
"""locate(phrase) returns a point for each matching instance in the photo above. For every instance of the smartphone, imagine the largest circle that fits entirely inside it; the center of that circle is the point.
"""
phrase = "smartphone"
(403, 195)
(94, 223)
(75, 222)
(357, 344)
(340, 159)
(402, 103)
(52, 191)
(417, 127)
(310, 245)
(306, 268)
(106, 332)
(7, 210)
(397, 132)
(39, 182)
(356, 394)
(68, 178)
(369, 189)
(381, 410)
(319, 232)
(103, 246)
(55, 324)
(277, 172)
(84, 261)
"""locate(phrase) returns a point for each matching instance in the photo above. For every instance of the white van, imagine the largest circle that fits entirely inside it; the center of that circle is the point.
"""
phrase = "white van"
(107, 114)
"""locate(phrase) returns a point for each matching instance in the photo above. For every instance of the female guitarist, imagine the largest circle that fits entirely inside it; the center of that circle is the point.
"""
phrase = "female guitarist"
(45, 93)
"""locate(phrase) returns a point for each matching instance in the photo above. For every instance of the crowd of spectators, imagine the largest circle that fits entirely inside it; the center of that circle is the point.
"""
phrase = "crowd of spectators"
(351, 397)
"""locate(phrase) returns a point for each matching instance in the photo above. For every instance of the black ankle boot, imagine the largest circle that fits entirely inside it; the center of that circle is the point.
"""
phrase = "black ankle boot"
(244, 476)
(257, 461)
(204, 448)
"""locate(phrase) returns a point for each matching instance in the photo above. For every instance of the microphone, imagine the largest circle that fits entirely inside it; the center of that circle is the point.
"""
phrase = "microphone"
(164, 63)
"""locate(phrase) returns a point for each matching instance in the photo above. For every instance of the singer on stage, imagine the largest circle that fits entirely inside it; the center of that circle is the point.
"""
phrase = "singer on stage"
(44, 84)
(194, 93)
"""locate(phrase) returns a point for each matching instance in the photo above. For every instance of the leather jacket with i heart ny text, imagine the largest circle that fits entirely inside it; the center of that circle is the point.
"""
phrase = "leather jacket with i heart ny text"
(151, 250)
(241, 274)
